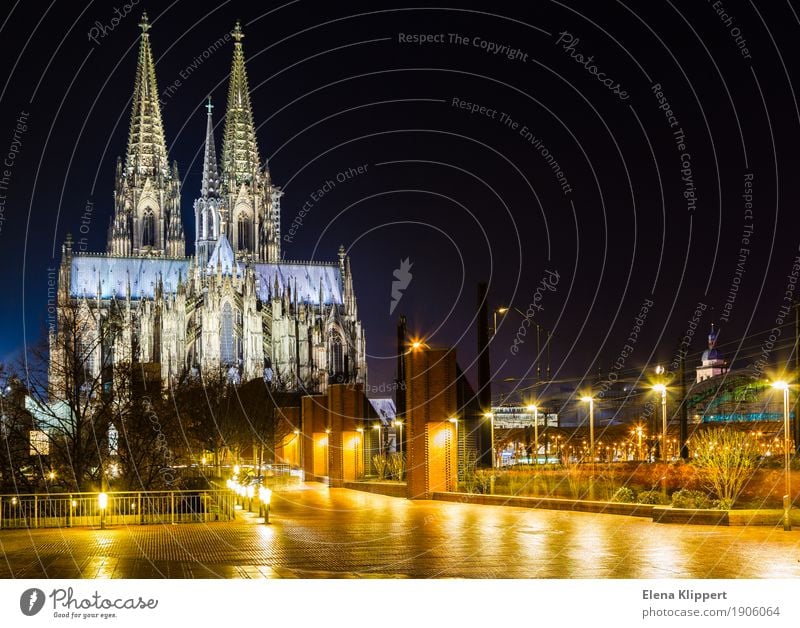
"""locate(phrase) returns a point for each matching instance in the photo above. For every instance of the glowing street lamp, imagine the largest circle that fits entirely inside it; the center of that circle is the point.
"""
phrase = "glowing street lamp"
(499, 310)
(535, 410)
(590, 400)
(265, 497)
(490, 416)
(662, 389)
(102, 503)
(377, 426)
(787, 504)
(327, 452)
(399, 425)
(299, 449)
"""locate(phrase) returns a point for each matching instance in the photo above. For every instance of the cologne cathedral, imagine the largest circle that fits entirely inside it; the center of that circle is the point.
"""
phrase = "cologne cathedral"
(235, 305)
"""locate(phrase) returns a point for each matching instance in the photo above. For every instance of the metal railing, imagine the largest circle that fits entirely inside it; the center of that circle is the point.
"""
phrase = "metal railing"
(122, 508)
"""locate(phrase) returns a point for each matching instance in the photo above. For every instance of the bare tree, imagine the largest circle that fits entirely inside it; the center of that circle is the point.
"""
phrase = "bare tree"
(262, 416)
(149, 440)
(17, 474)
(207, 408)
(70, 383)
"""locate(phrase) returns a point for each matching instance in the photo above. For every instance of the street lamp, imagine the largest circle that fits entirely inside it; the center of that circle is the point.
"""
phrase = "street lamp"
(787, 504)
(590, 401)
(490, 416)
(535, 410)
(498, 310)
(399, 425)
(102, 503)
(299, 448)
(265, 497)
(327, 453)
(377, 426)
(661, 388)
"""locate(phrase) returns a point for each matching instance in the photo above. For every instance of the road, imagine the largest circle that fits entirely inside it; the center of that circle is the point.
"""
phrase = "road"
(333, 533)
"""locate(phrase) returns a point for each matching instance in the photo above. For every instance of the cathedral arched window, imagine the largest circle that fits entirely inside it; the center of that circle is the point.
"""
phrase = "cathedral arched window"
(243, 232)
(336, 358)
(148, 229)
(227, 353)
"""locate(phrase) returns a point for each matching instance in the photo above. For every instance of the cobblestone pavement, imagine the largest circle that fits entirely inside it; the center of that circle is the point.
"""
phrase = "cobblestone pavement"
(320, 532)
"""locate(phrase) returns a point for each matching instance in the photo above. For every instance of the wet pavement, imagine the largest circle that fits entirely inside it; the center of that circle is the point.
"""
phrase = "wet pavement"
(335, 533)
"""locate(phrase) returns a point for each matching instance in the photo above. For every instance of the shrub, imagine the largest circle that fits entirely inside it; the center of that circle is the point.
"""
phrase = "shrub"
(484, 478)
(652, 497)
(726, 460)
(624, 495)
(381, 464)
(686, 498)
(396, 465)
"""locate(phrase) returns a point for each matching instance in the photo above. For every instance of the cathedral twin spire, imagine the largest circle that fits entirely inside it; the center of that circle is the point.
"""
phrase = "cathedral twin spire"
(240, 160)
(147, 220)
(147, 147)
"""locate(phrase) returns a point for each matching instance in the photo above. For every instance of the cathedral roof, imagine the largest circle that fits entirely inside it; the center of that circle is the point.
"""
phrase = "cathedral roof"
(305, 280)
(224, 257)
(112, 275)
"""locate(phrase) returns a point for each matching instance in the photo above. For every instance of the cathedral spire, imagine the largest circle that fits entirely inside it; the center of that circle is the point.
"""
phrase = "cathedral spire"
(147, 148)
(210, 187)
(240, 159)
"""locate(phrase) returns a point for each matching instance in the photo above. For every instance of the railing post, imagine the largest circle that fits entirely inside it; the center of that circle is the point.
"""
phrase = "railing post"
(172, 507)
(139, 507)
(69, 512)
(35, 511)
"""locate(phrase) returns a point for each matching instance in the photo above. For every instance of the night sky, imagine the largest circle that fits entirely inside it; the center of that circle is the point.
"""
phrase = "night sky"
(601, 147)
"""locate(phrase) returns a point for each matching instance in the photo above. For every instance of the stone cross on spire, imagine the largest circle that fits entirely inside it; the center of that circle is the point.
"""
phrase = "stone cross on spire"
(237, 33)
(145, 23)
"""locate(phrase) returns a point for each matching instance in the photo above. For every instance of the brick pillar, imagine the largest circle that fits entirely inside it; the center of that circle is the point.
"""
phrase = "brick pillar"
(346, 412)
(315, 422)
(431, 400)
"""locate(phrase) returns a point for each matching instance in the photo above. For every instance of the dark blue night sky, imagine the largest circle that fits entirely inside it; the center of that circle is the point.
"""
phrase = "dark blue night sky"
(585, 159)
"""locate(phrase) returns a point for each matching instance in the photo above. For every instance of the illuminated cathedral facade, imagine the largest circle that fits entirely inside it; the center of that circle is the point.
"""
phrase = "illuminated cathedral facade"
(234, 306)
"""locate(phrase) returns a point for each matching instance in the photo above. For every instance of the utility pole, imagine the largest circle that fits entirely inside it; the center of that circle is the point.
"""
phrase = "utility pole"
(485, 434)
(796, 373)
(684, 411)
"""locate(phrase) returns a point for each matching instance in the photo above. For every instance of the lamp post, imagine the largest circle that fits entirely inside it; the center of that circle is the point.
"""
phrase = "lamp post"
(299, 448)
(787, 504)
(399, 425)
(490, 416)
(454, 421)
(498, 310)
(327, 453)
(359, 452)
(102, 503)
(377, 426)
(662, 389)
(265, 497)
(590, 400)
(535, 410)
